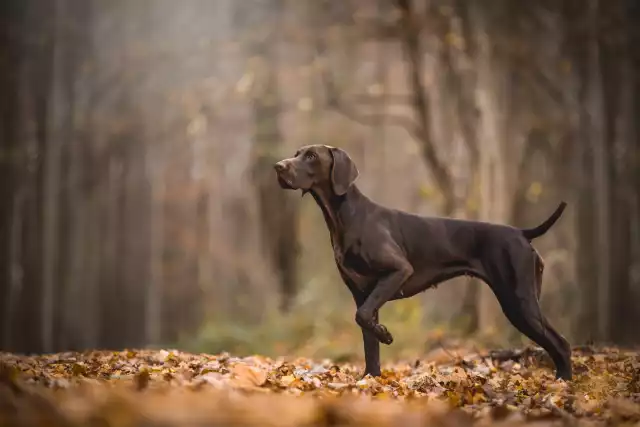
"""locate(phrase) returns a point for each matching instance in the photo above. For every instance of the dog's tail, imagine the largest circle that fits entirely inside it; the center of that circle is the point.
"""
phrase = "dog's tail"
(532, 233)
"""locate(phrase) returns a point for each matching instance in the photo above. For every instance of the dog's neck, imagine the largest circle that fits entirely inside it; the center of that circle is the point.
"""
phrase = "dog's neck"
(338, 211)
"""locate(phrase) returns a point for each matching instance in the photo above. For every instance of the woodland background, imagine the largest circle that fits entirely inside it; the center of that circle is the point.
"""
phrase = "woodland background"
(139, 206)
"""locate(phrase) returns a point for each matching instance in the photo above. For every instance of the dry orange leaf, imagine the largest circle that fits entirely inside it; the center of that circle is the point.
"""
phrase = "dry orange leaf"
(248, 376)
(287, 380)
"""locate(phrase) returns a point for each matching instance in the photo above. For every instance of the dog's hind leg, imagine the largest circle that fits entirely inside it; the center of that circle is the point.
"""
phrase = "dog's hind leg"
(538, 270)
(514, 284)
(527, 319)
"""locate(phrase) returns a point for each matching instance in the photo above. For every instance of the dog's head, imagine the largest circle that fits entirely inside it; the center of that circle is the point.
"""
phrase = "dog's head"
(317, 166)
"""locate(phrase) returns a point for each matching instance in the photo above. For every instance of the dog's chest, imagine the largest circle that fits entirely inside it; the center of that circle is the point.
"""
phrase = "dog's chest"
(353, 265)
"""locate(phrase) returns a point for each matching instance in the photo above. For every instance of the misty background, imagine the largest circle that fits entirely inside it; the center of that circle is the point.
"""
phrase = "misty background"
(139, 206)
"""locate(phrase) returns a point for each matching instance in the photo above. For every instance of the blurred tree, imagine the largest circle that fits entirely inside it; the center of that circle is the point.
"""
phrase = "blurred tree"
(262, 21)
(608, 68)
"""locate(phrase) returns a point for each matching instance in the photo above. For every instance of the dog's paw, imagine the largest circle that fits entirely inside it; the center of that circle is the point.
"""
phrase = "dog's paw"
(564, 374)
(374, 373)
(383, 335)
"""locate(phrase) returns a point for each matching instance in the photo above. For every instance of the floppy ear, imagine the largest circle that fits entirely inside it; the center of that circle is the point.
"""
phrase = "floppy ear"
(344, 172)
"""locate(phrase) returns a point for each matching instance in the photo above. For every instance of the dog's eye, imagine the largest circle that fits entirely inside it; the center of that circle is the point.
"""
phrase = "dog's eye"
(310, 156)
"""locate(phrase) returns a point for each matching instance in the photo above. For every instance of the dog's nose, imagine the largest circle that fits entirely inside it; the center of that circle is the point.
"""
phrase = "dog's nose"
(280, 166)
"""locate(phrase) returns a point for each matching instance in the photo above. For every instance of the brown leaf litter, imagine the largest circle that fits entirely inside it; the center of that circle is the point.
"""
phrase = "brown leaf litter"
(172, 388)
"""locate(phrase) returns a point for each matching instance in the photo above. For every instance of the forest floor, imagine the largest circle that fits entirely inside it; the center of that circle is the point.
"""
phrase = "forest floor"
(172, 388)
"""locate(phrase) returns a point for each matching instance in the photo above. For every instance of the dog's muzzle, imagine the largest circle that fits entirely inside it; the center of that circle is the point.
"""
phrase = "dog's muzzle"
(284, 175)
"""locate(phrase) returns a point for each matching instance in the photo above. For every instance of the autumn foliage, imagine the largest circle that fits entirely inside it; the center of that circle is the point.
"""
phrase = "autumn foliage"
(171, 388)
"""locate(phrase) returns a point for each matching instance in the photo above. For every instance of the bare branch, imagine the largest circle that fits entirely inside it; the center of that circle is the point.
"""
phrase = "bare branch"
(546, 83)
(385, 98)
(420, 130)
(334, 102)
(411, 43)
(373, 119)
(377, 30)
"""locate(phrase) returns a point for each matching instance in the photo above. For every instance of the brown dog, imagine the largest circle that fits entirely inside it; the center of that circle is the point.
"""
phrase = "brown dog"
(385, 254)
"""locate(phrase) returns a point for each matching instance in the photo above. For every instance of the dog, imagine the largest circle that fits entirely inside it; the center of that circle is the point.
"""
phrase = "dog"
(385, 254)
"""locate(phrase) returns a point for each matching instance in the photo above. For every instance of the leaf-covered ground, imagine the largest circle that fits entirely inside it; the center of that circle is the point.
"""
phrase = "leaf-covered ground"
(171, 388)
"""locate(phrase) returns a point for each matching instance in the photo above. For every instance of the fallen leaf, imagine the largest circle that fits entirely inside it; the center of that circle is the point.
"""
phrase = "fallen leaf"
(250, 376)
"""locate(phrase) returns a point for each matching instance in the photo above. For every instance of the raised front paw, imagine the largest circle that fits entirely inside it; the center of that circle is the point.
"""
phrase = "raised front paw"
(383, 335)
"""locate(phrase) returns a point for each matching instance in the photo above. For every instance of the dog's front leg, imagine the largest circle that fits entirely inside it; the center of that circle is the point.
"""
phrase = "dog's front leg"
(371, 343)
(385, 289)
(371, 352)
(371, 346)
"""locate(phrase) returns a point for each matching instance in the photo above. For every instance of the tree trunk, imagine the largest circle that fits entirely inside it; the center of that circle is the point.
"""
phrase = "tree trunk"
(596, 112)
(624, 85)
(13, 114)
(278, 213)
(15, 269)
(492, 173)
(74, 269)
(113, 293)
(92, 267)
(51, 184)
(153, 297)
(633, 16)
